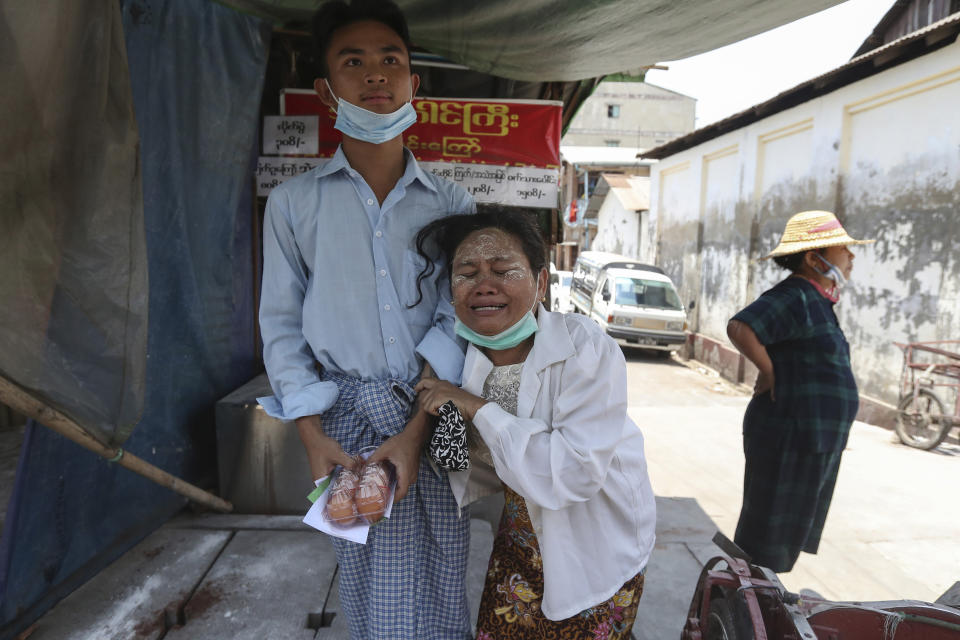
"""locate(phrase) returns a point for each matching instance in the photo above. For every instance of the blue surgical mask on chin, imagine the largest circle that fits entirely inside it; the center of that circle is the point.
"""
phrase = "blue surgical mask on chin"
(832, 272)
(365, 125)
(506, 339)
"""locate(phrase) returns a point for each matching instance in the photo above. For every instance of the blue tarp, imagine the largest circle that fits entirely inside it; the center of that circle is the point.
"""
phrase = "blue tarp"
(196, 70)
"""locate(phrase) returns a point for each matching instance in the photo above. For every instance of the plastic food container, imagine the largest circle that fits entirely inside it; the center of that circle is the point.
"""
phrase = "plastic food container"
(362, 495)
(341, 507)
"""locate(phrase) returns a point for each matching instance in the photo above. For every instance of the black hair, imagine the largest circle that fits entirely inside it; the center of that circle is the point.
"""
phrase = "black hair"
(439, 239)
(337, 14)
(791, 262)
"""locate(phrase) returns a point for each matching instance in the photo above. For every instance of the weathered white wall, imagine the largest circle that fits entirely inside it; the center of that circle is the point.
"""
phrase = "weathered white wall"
(618, 229)
(882, 153)
(625, 231)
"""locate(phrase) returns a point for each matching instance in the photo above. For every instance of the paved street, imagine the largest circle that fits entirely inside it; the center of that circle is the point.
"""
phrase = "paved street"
(894, 526)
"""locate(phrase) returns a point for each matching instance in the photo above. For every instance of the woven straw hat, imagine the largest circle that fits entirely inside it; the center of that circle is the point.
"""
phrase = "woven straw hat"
(812, 230)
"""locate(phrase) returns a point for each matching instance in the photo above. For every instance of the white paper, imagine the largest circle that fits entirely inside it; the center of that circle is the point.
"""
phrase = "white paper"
(291, 136)
(357, 532)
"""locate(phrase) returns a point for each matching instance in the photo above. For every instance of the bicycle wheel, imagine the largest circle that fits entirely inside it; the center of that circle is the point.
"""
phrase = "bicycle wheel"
(920, 420)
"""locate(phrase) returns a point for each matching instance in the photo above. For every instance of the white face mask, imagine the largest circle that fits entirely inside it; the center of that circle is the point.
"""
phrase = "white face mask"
(510, 337)
(368, 126)
(831, 272)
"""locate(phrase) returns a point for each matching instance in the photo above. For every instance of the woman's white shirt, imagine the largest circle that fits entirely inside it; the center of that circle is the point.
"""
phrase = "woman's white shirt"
(575, 457)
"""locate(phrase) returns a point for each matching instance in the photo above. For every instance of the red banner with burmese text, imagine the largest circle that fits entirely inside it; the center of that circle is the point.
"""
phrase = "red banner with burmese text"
(507, 133)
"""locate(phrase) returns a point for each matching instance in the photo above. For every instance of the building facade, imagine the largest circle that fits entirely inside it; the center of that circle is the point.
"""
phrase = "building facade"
(631, 114)
(877, 141)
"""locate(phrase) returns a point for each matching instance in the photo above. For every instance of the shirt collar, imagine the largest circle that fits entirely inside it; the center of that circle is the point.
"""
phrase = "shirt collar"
(554, 343)
(832, 296)
(415, 172)
(337, 163)
(412, 172)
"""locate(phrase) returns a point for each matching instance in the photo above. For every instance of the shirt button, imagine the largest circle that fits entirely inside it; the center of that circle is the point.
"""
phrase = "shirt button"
(383, 272)
(392, 340)
(379, 234)
(386, 307)
(369, 200)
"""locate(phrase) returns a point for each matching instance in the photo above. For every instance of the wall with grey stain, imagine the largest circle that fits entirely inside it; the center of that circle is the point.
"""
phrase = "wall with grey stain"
(884, 155)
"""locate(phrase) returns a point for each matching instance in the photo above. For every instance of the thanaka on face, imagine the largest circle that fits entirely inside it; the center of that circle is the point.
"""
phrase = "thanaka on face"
(492, 282)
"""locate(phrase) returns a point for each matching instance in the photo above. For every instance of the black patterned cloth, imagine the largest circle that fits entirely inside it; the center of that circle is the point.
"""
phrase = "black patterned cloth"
(448, 445)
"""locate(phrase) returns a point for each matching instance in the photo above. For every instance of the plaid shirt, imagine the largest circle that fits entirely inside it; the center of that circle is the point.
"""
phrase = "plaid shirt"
(816, 394)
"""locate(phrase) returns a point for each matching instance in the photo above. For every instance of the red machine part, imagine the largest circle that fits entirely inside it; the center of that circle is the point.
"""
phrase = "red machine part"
(763, 608)
(895, 620)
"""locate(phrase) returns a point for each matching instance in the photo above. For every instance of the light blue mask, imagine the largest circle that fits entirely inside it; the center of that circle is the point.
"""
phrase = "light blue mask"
(832, 272)
(368, 126)
(506, 339)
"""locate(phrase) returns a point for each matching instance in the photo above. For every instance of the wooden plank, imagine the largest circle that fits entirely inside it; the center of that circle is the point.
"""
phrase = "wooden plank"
(130, 599)
(19, 399)
(263, 585)
(239, 522)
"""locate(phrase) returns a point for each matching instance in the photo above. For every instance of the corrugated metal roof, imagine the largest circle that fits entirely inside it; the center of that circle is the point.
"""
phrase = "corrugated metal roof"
(932, 37)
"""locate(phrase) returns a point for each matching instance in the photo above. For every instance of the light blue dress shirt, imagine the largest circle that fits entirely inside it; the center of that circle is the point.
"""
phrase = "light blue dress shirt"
(339, 271)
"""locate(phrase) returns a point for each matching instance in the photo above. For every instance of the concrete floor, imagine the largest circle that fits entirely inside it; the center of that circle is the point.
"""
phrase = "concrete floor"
(893, 532)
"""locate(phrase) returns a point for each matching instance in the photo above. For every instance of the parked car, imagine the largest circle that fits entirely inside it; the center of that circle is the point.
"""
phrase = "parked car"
(634, 303)
(560, 290)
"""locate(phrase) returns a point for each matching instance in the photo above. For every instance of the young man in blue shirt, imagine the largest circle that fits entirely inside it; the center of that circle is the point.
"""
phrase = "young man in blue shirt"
(342, 343)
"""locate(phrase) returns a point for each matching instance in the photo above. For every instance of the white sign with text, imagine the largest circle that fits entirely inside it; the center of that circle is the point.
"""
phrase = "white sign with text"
(515, 186)
(290, 136)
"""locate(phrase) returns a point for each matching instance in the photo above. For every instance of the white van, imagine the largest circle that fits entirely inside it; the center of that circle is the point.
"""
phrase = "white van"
(633, 302)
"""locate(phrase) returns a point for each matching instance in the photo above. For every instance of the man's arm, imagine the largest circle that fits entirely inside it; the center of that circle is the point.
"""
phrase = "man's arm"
(403, 450)
(323, 452)
(440, 347)
(299, 394)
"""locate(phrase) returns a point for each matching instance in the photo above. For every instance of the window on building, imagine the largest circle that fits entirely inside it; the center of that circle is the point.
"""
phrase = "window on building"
(611, 143)
(613, 111)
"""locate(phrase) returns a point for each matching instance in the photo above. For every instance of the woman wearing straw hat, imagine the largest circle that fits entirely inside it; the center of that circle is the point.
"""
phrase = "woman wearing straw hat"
(805, 397)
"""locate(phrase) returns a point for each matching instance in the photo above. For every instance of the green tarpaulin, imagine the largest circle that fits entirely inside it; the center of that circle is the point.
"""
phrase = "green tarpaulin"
(544, 40)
